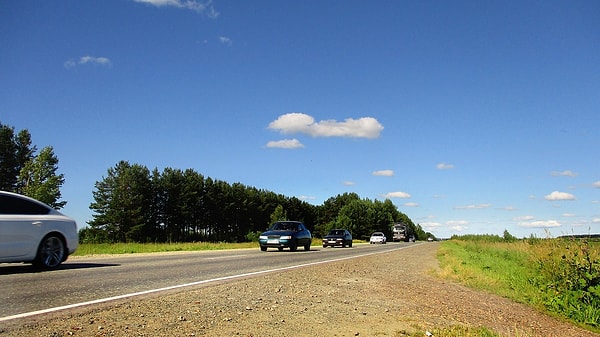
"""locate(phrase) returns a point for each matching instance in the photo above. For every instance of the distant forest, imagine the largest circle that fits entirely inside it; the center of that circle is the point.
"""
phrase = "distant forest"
(134, 204)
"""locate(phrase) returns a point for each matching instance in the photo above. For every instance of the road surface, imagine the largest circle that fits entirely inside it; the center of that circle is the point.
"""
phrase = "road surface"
(92, 280)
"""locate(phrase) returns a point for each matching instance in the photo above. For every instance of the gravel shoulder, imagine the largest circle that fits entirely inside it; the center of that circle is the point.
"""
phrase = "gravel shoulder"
(392, 294)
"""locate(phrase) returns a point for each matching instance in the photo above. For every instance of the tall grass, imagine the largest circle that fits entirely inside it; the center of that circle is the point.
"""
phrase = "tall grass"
(560, 276)
(132, 248)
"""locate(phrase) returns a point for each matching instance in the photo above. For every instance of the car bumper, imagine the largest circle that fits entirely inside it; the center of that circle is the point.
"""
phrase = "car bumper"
(275, 243)
(332, 243)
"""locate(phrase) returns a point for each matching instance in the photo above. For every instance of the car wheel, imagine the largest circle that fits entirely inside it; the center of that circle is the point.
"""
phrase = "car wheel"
(307, 246)
(350, 244)
(51, 253)
(263, 248)
(294, 246)
(279, 248)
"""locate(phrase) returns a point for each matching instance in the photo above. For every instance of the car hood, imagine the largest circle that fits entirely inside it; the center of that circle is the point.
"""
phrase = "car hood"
(333, 237)
(278, 233)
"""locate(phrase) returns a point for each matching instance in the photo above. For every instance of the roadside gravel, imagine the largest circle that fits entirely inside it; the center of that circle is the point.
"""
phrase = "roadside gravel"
(392, 294)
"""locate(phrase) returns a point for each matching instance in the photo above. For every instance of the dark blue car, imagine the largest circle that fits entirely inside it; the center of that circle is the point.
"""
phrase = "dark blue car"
(286, 234)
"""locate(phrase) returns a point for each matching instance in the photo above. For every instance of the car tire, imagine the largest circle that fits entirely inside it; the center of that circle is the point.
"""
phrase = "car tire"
(350, 244)
(51, 253)
(307, 246)
(294, 246)
(263, 248)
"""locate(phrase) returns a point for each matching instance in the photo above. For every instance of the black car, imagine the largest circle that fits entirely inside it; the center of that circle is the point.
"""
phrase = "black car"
(286, 234)
(337, 237)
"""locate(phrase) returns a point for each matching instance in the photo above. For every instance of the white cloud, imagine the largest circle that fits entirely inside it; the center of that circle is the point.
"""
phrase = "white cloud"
(225, 40)
(480, 206)
(200, 7)
(296, 122)
(430, 226)
(285, 144)
(99, 61)
(508, 208)
(411, 204)
(524, 218)
(565, 173)
(384, 173)
(348, 183)
(568, 215)
(444, 166)
(556, 195)
(457, 223)
(596, 220)
(540, 224)
(596, 184)
(401, 195)
(306, 197)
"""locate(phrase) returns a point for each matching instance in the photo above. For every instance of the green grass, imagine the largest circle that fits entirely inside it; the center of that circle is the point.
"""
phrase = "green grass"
(133, 248)
(558, 276)
(454, 331)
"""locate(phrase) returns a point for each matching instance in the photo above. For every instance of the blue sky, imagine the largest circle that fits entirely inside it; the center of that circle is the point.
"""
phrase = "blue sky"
(471, 116)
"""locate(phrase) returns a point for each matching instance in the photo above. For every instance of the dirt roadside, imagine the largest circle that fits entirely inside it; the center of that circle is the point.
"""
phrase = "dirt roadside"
(391, 294)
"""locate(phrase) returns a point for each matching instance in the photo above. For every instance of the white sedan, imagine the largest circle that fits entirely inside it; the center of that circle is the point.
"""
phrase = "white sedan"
(33, 232)
(378, 237)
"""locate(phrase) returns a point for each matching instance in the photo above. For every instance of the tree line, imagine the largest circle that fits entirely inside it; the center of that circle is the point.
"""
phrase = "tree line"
(134, 204)
(25, 171)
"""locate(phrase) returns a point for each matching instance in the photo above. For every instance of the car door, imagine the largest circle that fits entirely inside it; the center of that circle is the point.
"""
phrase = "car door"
(20, 226)
(303, 235)
(347, 237)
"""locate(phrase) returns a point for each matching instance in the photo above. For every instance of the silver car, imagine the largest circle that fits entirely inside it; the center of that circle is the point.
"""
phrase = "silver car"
(33, 232)
(378, 237)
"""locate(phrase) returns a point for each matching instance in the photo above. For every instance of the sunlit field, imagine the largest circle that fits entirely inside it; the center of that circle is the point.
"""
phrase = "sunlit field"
(559, 276)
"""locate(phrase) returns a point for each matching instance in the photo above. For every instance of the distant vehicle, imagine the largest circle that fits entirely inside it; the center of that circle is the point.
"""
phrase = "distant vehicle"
(337, 237)
(33, 232)
(401, 232)
(378, 237)
(286, 234)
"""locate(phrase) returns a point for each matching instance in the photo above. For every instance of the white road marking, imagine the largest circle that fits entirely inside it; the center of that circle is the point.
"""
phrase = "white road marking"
(151, 291)
(225, 257)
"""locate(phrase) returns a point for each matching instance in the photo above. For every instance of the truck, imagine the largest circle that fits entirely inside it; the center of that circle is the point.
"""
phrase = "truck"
(401, 232)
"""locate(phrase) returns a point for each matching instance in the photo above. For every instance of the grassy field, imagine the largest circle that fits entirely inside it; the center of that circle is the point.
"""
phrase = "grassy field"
(558, 276)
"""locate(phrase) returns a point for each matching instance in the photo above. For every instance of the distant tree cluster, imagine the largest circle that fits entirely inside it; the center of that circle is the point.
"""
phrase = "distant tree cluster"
(363, 217)
(25, 172)
(134, 204)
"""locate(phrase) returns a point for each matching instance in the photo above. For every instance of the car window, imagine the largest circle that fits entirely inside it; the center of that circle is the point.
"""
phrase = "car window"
(13, 205)
(282, 226)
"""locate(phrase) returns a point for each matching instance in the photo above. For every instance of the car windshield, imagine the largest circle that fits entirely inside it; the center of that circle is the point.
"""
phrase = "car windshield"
(334, 232)
(285, 226)
(377, 234)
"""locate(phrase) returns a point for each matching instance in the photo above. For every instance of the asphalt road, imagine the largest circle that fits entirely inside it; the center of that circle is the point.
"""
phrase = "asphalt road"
(94, 280)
